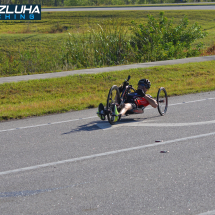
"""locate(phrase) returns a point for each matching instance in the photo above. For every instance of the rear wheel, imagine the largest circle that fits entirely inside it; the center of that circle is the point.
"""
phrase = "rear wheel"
(162, 101)
(113, 99)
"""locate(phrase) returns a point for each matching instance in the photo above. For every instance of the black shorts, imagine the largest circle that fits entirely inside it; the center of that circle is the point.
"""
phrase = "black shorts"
(130, 100)
(134, 106)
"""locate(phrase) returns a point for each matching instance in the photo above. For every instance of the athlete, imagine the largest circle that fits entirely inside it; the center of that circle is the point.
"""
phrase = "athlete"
(135, 102)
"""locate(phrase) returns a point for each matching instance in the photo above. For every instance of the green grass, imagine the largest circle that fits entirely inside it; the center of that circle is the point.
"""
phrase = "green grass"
(52, 22)
(39, 97)
(30, 53)
(40, 51)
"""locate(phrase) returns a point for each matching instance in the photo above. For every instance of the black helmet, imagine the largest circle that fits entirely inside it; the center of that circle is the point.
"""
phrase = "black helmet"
(145, 82)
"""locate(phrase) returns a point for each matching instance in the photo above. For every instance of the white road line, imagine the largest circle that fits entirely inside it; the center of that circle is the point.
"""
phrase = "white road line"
(200, 100)
(106, 125)
(171, 124)
(53, 123)
(208, 213)
(103, 154)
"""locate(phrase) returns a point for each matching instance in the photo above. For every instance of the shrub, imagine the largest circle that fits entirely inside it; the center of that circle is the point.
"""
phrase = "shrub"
(108, 45)
(160, 40)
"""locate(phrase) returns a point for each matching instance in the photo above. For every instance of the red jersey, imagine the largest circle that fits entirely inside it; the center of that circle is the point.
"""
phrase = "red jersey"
(141, 102)
(137, 99)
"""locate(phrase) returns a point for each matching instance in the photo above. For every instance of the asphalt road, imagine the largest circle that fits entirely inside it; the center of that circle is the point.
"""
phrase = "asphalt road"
(73, 163)
(177, 7)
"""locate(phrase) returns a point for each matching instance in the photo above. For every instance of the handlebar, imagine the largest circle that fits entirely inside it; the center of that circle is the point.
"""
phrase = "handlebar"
(126, 82)
(128, 78)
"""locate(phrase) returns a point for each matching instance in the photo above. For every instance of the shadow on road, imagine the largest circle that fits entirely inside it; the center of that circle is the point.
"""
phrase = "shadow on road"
(92, 126)
(100, 125)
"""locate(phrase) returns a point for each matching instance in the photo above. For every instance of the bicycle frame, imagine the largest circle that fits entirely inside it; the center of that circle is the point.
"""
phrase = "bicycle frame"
(125, 90)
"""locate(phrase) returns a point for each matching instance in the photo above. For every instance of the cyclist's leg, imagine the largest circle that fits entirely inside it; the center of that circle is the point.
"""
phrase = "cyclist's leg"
(118, 115)
(127, 107)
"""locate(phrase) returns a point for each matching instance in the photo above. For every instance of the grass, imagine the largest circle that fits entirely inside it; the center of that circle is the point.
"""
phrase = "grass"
(39, 97)
(55, 22)
(39, 46)
(209, 51)
(33, 53)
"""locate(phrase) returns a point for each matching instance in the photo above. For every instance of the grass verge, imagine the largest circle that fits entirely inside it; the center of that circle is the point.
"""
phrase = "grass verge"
(57, 95)
(71, 21)
(40, 46)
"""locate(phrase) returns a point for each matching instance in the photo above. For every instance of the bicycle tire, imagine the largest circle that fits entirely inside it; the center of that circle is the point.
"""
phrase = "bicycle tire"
(162, 101)
(113, 98)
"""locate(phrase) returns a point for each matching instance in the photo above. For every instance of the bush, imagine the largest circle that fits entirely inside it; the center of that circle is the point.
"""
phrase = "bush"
(160, 40)
(106, 46)
(111, 45)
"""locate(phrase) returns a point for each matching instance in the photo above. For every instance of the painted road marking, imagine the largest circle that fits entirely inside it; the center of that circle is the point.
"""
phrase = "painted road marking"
(208, 213)
(172, 124)
(104, 127)
(104, 154)
(199, 100)
(51, 123)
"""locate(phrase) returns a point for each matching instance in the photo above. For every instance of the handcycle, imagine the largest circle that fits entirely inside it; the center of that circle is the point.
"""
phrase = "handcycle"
(118, 95)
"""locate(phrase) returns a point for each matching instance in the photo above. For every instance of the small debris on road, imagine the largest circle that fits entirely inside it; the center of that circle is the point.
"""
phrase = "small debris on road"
(164, 151)
(157, 141)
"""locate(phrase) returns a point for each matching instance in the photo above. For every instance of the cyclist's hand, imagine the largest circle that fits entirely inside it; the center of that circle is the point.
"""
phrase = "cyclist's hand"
(141, 92)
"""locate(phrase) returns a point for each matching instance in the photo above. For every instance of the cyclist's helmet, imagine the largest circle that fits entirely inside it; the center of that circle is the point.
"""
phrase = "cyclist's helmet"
(145, 82)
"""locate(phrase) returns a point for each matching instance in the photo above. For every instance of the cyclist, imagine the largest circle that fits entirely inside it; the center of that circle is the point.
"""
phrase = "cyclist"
(137, 101)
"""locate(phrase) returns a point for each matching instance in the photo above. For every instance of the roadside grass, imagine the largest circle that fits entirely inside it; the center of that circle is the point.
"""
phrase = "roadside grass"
(209, 51)
(30, 54)
(35, 50)
(57, 95)
(57, 22)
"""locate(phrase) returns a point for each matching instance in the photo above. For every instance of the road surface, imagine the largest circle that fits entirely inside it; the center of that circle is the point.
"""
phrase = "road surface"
(73, 163)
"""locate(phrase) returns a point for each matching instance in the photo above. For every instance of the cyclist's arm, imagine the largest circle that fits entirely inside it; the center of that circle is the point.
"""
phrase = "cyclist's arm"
(151, 101)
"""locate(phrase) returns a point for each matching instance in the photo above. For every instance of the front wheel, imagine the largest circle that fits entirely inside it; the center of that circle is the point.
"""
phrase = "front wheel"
(112, 99)
(162, 101)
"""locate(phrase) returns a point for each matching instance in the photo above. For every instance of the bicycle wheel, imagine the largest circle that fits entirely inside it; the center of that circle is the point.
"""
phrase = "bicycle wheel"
(162, 101)
(113, 99)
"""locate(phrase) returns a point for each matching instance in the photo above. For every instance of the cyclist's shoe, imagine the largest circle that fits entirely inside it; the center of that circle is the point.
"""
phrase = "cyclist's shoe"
(101, 111)
(119, 116)
(115, 113)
